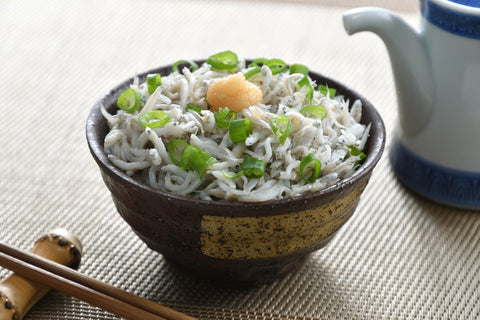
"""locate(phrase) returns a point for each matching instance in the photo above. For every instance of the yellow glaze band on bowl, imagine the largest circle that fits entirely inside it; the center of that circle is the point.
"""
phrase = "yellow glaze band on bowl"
(270, 236)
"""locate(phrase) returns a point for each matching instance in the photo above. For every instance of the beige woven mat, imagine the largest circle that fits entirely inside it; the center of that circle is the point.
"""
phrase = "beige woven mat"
(399, 257)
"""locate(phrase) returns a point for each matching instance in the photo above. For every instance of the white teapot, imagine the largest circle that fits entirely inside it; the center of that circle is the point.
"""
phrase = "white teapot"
(436, 148)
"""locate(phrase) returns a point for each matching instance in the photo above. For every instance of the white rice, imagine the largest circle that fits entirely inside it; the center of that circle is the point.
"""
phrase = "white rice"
(142, 153)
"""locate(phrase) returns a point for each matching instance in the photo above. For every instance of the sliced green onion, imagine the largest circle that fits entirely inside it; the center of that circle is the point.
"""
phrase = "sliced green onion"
(276, 65)
(299, 68)
(192, 65)
(355, 152)
(175, 149)
(129, 100)
(258, 62)
(302, 69)
(314, 111)
(324, 90)
(225, 60)
(304, 82)
(253, 71)
(310, 92)
(197, 159)
(281, 126)
(240, 129)
(253, 167)
(229, 175)
(310, 163)
(154, 119)
(189, 157)
(224, 116)
(194, 108)
(153, 82)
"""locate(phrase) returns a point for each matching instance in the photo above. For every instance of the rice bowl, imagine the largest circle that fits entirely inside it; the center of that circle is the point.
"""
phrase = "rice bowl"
(233, 242)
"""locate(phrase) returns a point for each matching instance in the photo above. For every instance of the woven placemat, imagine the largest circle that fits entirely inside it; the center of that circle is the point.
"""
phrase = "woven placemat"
(399, 257)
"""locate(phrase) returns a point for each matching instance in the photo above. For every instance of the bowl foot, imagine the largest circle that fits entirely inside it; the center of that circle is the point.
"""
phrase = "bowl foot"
(228, 274)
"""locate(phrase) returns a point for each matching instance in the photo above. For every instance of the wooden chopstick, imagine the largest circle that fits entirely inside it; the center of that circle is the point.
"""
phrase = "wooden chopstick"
(82, 287)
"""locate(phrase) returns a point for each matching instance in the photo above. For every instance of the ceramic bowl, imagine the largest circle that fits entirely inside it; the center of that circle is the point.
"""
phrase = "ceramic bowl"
(234, 243)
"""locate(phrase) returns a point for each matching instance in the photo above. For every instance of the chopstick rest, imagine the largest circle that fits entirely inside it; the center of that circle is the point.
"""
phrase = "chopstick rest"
(17, 294)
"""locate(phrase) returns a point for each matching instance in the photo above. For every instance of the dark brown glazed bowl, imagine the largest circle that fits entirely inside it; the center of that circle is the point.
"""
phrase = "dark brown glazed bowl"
(235, 243)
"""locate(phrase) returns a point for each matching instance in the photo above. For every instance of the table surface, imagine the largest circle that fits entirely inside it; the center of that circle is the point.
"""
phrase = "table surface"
(398, 257)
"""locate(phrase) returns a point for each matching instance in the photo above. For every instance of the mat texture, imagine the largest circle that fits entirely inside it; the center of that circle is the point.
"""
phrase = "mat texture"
(399, 257)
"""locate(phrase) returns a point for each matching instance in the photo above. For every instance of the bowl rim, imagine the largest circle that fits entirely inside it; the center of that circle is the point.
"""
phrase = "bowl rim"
(95, 117)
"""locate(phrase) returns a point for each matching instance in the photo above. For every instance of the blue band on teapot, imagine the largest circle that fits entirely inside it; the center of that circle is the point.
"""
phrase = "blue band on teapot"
(448, 186)
(469, 3)
(457, 22)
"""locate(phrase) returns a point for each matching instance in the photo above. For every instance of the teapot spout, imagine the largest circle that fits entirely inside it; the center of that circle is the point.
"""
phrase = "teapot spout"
(411, 67)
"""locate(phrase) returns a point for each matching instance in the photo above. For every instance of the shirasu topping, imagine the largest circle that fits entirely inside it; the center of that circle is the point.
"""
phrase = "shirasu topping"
(287, 144)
